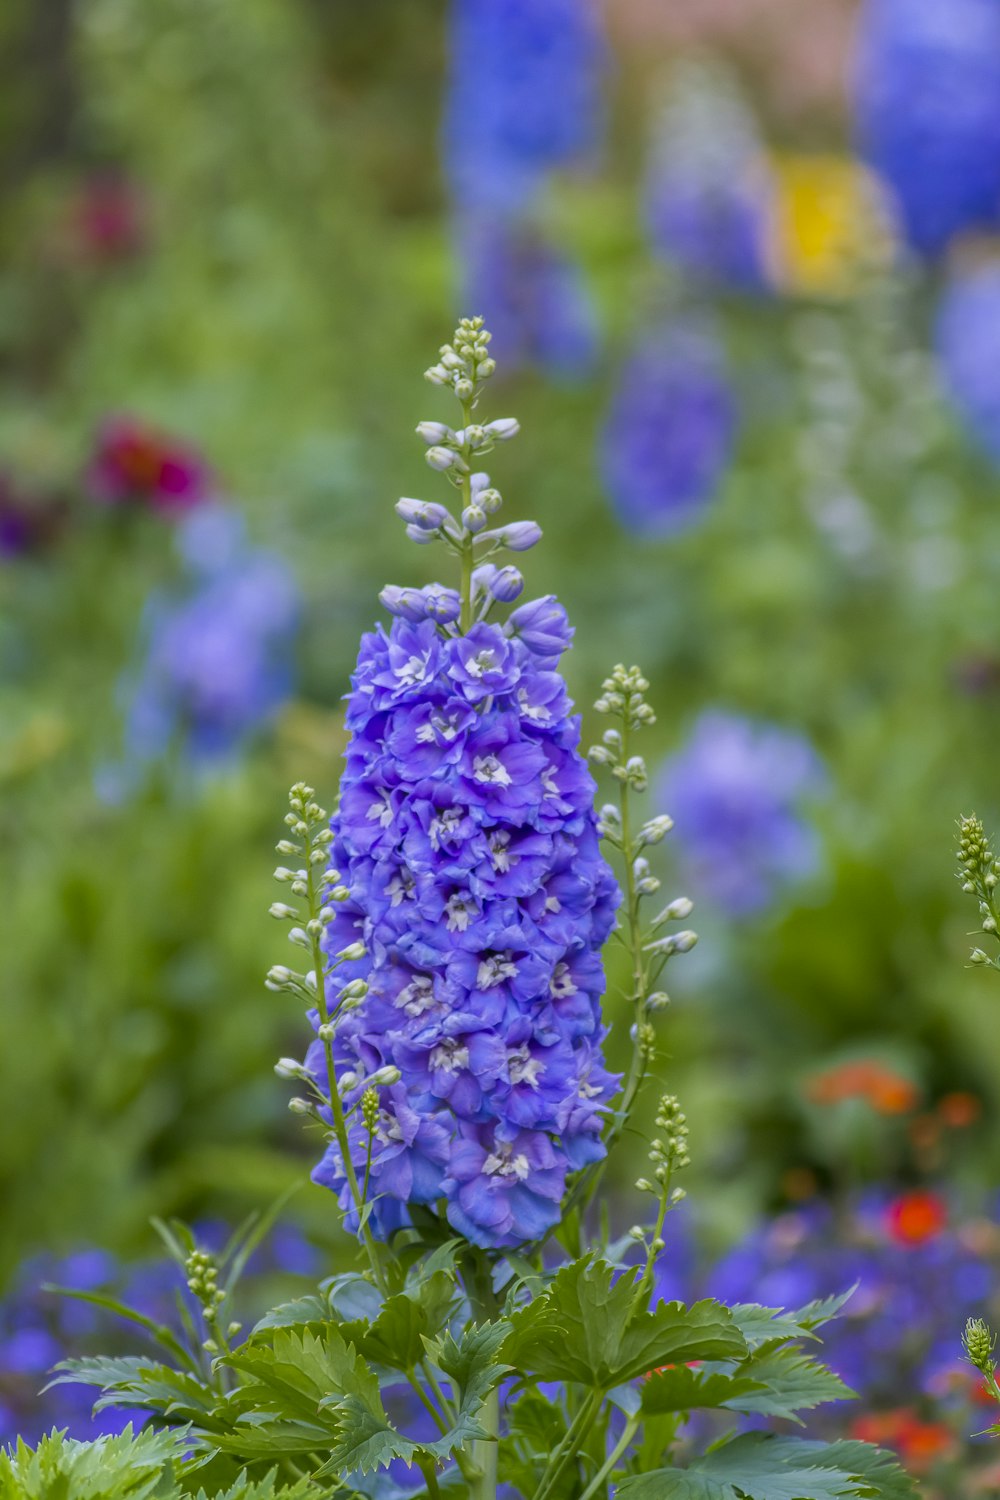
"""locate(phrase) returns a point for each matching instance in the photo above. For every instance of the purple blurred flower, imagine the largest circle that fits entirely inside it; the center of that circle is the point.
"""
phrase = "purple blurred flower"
(218, 660)
(968, 351)
(524, 95)
(709, 191)
(669, 433)
(735, 788)
(927, 97)
(533, 297)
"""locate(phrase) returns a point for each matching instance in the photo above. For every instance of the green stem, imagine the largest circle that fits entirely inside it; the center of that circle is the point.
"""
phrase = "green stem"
(468, 545)
(485, 1451)
(606, 1468)
(427, 1470)
(335, 1102)
(567, 1448)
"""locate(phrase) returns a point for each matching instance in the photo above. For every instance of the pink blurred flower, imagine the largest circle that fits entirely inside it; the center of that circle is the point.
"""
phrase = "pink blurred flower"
(133, 464)
(107, 221)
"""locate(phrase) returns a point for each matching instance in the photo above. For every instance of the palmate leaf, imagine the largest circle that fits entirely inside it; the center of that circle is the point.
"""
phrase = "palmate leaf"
(756, 1466)
(580, 1330)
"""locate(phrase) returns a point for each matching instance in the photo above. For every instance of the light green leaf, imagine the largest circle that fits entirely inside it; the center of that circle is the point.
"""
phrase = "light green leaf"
(756, 1466)
(684, 1389)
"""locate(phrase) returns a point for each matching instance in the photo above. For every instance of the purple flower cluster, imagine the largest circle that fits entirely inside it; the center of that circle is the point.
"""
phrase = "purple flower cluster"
(710, 192)
(218, 658)
(534, 297)
(670, 430)
(468, 844)
(524, 95)
(928, 108)
(741, 783)
(968, 352)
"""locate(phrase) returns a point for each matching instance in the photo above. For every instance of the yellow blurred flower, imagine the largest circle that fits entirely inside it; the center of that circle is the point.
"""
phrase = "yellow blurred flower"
(830, 224)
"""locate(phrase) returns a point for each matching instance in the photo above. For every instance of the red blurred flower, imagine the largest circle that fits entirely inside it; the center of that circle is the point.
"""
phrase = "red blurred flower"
(107, 220)
(959, 1110)
(916, 1217)
(135, 464)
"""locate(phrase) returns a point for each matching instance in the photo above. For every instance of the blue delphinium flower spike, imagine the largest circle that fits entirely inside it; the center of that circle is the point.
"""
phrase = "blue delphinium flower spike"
(741, 783)
(532, 293)
(968, 352)
(469, 1053)
(927, 97)
(524, 95)
(218, 660)
(710, 192)
(669, 434)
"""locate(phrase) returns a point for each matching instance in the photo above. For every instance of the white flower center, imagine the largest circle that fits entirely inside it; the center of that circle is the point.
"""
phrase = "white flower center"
(401, 887)
(494, 970)
(483, 662)
(449, 1056)
(499, 851)
(561, 985)
(444, 826)
(534, 711)
(503, 1163)
(522, 1067)
(380, 811)
(413, 670)
(418, 996)
(489, 768)
(459, 911)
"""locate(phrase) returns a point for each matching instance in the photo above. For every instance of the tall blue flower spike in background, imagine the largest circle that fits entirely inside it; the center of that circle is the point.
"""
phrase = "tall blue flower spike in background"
(710, 191)
(471, 900)
(968, 352)
(669, 433)
(530, 291)
(741, 784)
(927, 96)
(524, 96)
(218, 657)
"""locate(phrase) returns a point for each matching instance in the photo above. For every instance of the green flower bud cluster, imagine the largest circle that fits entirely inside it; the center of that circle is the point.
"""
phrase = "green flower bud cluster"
(979, 874)
(465, 362)
(319, 889)
(203, 1280)
(979, 1342)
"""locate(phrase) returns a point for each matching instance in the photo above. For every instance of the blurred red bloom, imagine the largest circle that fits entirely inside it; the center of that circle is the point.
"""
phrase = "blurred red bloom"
(107, 221)
(916, 1217)
(134, 464)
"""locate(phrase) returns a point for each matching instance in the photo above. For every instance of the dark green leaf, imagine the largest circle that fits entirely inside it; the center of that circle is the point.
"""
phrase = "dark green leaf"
(684, 1389)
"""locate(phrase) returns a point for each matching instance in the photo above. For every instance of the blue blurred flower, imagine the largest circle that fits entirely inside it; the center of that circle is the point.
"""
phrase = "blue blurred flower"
(735, 788)
(218, 657)
(669, 434)
(532, 296)
(467, 839)
(709, 191)
(524, 95)
(927, 94)
(968, 351)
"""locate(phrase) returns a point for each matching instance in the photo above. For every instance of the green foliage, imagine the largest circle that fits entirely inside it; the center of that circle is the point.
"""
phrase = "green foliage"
(759, 1467)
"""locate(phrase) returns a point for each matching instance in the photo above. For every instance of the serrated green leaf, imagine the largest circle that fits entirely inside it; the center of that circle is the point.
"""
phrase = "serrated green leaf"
(757, 1466)
(173, 1395)
(764, 1325)
(684, 1389)
(788, 1382)
(124, 1467)
(581, 1329)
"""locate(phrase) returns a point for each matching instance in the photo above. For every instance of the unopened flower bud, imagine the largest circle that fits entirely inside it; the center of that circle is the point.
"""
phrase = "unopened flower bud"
(426, 514)
(507, 585)
(473, 519)
(503, 428)
(518, 536)
(287, 1067)
(464, 389)
(281, 911)
(434, 432)
(352, 952)
(385, 1077)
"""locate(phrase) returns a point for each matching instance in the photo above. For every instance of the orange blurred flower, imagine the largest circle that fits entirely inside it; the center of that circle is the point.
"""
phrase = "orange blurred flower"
(959, 1110)
(888, 1092)
(918, 1443)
